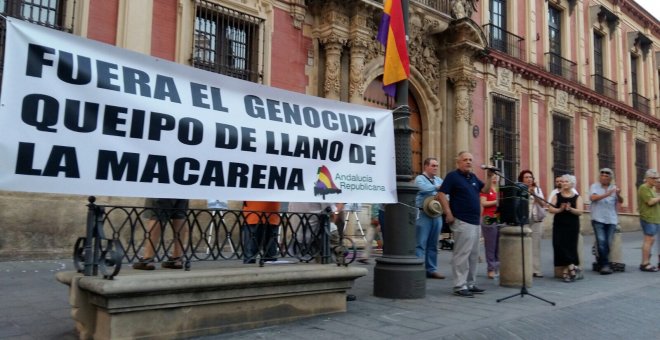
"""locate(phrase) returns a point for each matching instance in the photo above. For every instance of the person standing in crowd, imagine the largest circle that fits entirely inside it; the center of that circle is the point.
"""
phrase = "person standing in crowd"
(463, 214)
(604, 196)
(428, 227)
(557, 189)
(374, 229)
(159, 211)
(307, 228)
(490, 228)
(536, 215)
(262, 220)
(649, 218)
(567, 207)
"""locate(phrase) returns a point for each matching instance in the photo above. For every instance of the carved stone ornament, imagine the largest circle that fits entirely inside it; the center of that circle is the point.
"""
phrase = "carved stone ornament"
(422, 50)
(463, 8)
(464, 86)
(332, 68)
(504, 78)
(562, 100)
(356, 77)
(641, 129)
(298, 12)
(605, 115)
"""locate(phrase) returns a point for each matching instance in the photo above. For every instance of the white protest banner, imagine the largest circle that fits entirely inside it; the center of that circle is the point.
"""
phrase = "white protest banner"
(82, 117)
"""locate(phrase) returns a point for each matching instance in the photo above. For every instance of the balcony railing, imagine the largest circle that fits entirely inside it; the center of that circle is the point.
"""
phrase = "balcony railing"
(604, 86)
(443, 6)
(504, 41)
(561, 66)
(640, 103)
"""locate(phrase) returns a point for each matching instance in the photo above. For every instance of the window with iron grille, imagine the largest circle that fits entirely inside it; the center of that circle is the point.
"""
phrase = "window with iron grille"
(605, 149)
(562, 145)
(49, 13)
(641, 162)
(505, 133)
(227, 41)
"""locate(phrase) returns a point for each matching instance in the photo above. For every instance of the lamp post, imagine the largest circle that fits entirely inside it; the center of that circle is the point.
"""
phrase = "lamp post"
(399, 274)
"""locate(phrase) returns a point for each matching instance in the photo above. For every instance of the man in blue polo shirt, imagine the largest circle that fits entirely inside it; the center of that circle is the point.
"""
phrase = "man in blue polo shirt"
(463, 214)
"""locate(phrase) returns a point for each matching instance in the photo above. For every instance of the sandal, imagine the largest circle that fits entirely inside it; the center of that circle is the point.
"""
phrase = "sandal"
(647, 268)
(144, 264)
(172, 263)
(566, 277)
(572, 272)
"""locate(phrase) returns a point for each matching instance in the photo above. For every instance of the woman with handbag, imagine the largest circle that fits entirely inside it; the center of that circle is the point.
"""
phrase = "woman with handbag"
(536, 215)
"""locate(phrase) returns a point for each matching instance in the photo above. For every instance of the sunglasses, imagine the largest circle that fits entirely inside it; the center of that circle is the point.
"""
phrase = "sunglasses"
(605, 173)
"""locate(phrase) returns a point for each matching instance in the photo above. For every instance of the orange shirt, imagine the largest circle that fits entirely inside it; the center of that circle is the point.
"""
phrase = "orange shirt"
(256, 212)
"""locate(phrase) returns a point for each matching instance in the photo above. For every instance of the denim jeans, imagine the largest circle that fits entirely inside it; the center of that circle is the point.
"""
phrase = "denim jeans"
(427, 233)
(604, 234)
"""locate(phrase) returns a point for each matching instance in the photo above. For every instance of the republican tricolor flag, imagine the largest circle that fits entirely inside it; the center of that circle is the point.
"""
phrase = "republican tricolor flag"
(392, 34)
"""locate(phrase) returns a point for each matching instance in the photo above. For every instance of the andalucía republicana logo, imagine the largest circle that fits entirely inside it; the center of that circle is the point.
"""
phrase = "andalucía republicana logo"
(324, 185)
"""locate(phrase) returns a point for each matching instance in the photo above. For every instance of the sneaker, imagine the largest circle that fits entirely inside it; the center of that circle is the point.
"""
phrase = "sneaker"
(476, 290)
(463, 293)
(144, 264)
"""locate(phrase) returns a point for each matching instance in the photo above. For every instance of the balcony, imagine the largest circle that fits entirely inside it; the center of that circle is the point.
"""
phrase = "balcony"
(505, 42)
(560, 66)
(604, 86)
(641, 103)
(442, 6)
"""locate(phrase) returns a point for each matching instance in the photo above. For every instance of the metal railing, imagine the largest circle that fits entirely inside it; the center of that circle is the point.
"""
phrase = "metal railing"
(117, 235)
(641, 103)
(560, 66)
(504, 41)
(443, 6)
(604, 86)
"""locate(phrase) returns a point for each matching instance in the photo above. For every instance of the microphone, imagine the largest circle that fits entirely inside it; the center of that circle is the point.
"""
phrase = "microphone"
(489, 167)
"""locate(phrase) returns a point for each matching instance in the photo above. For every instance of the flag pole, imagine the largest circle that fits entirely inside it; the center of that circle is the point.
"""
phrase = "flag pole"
(399, 274)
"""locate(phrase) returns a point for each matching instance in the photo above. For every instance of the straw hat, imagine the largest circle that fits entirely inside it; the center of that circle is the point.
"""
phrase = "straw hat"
(432, 207)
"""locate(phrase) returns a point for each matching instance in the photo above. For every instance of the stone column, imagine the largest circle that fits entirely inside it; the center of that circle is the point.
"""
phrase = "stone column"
(356, 74)
(463, 86)
(332, 69)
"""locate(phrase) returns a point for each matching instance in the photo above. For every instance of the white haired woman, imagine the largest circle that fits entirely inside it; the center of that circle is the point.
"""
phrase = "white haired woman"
(567, 207)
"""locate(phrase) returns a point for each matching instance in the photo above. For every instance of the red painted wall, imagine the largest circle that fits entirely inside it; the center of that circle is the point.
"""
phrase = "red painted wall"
(102, 24)
(163, 29)
(289, 54)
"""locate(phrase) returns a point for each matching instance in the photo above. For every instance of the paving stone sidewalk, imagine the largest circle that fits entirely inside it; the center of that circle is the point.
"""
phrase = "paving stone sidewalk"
(623, 305)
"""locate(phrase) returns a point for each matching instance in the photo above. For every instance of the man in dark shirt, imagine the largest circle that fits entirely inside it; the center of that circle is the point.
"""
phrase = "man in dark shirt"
(459, 196)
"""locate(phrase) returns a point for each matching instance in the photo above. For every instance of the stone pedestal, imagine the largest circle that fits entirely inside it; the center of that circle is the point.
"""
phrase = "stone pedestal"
(180, 304)
(511, 256)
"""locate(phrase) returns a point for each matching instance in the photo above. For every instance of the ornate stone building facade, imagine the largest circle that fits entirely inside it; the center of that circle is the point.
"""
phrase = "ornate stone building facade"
(555, 86)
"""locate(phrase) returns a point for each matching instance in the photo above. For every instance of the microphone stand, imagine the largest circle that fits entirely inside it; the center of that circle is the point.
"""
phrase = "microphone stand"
(523, 288)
